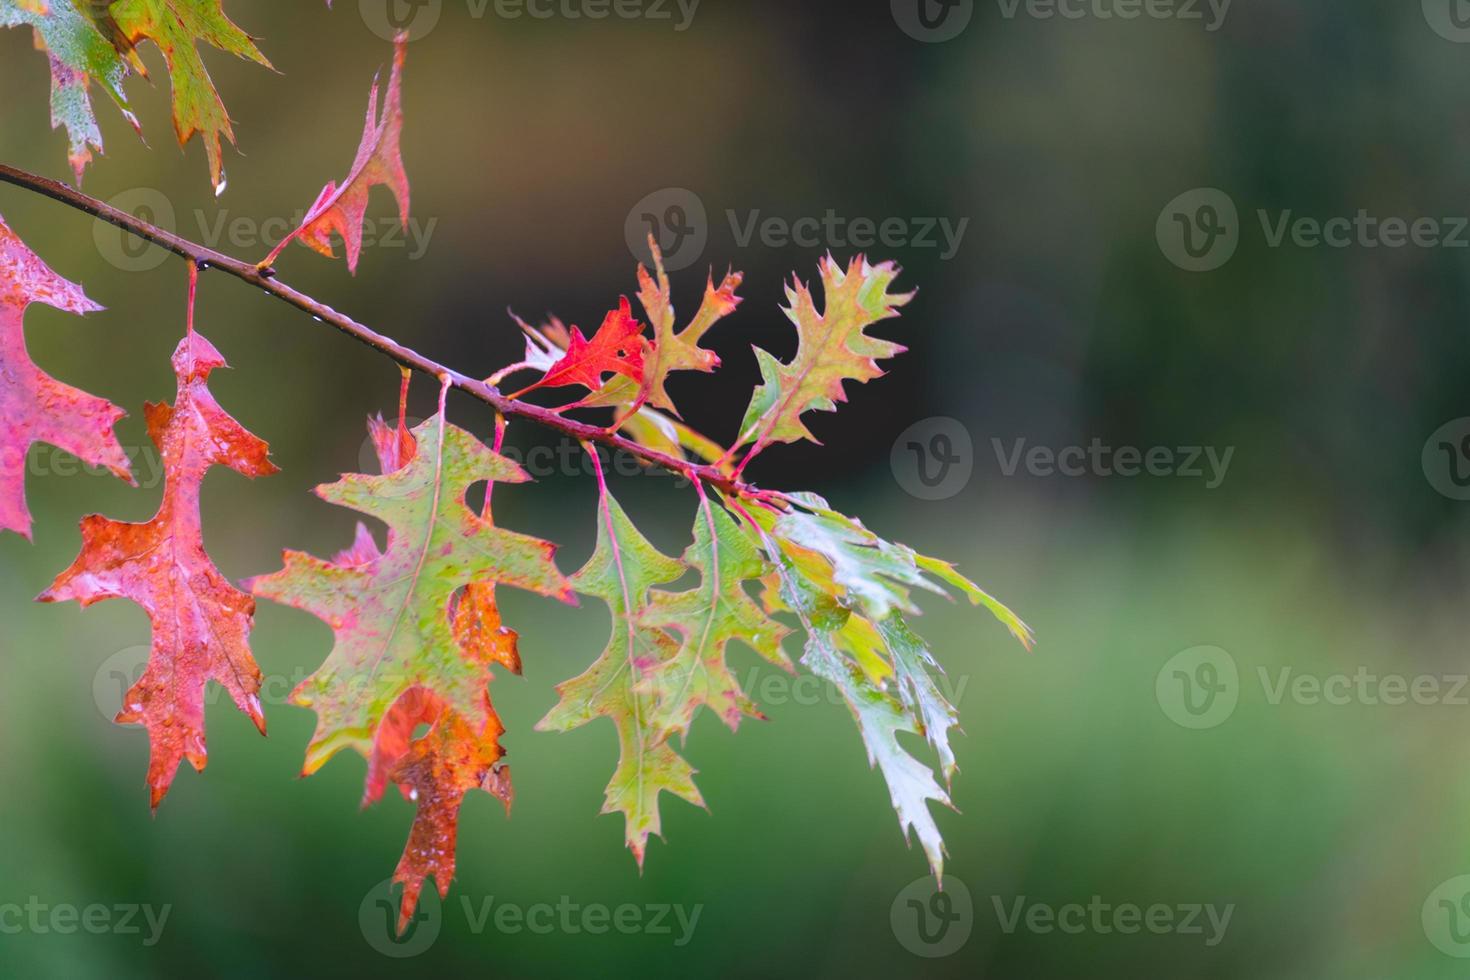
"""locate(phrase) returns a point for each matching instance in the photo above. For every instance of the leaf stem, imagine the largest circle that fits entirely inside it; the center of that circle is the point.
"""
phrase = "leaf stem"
(193, 294)
(264, 279)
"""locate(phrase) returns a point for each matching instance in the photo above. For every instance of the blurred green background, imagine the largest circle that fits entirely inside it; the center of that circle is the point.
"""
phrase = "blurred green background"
(1060, 319)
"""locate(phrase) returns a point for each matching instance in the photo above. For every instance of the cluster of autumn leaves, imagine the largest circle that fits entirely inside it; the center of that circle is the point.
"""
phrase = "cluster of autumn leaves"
(96, 40)
(417, 627)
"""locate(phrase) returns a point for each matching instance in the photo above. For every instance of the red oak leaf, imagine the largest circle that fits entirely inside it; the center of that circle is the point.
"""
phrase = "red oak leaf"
(201, 624)
(342, 209)
(618, 346)
(33, 406)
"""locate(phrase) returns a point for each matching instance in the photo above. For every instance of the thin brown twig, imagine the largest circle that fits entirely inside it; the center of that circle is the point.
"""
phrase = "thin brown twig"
(204, 257)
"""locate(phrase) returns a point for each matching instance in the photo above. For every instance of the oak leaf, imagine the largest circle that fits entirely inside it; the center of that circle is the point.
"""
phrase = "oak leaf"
(671, 349)
(417, 631)
(706, 619)
(832, 349)
(618, 347)
(342, 209)
(33, 406)
(849, 589)
(874, 574)
(622, 570)
(201, 624)
(178, 27)
(452, 757)
(78, 52)
(435, 771)
(392, 612)
(645, 425)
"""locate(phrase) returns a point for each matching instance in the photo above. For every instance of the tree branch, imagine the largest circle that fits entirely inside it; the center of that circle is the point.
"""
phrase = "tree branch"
(264, 279)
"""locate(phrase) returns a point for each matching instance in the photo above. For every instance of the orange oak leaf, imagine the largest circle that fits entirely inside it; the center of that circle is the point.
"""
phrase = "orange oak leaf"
(618, 347)
(671, 350)
(436, 770)
(342, 209)
(33, 406)
(201, 624)
(680, 351)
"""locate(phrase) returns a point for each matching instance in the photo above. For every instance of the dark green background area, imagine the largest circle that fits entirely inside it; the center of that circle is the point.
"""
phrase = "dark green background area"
(1325, 550)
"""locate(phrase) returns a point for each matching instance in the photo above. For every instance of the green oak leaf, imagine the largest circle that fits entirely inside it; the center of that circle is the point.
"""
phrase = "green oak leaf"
(832, 349)
(880, 716)
(391, 610)
(876, 574)
(78, 51)
(177, 26)
(850, 590)
(707, 618)
(621, 571)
